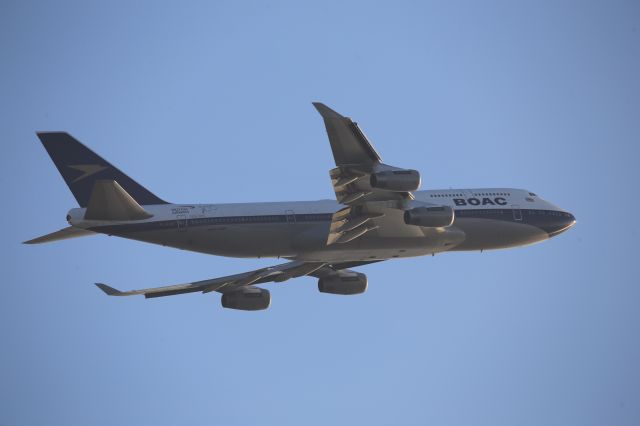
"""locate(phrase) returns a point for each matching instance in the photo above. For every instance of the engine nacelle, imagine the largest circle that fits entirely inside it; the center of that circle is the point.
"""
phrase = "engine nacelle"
(396, 180)
(345, 283)
(430, 217)
(247, 299)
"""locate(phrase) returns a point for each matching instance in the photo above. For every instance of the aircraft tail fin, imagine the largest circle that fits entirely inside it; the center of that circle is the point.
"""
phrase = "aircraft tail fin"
(81, 168)
(63, 234)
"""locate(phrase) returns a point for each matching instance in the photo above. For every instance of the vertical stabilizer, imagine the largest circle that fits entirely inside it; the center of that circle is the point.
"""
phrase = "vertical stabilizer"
(81, 168)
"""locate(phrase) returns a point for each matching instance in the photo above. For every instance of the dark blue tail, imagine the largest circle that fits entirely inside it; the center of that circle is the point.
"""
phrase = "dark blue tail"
(80, 167)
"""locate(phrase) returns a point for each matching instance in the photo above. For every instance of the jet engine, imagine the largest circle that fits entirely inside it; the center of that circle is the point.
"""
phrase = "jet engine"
(396, 180)
(247, 299)
(342, 282)
(430, 217)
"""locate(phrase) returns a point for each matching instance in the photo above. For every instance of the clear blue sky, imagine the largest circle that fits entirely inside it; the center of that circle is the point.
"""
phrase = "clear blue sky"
(210, 102)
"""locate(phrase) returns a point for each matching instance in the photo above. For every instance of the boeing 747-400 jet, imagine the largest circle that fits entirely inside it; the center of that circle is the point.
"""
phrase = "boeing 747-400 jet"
(378, 214)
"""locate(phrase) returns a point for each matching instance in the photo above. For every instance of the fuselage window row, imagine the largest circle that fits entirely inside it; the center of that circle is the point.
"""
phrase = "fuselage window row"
(483, 194)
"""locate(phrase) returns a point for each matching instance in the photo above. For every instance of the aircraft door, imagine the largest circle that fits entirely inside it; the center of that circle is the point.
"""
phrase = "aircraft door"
(517, 213)
(291, 217)
(181, 219)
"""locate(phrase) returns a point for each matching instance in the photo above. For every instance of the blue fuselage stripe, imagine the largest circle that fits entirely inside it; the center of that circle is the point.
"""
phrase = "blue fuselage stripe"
(544, 219)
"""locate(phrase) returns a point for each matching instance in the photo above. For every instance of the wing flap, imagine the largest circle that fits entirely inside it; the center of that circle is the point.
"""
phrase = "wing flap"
(348, 224)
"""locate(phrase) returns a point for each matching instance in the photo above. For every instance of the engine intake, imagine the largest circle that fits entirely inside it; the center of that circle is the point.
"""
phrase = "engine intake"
(396, 180)
(345, 283)
(430, 217)
(247, 299)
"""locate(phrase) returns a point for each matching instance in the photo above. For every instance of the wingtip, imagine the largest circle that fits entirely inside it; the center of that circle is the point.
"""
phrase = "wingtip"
(319, 106)
(325, 111)
(108, 290)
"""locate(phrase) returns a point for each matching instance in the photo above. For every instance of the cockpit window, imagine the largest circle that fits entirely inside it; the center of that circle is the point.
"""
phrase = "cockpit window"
(532, 194)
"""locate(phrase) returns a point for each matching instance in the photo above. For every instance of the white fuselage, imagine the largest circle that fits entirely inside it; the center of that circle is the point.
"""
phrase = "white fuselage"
(489, 218)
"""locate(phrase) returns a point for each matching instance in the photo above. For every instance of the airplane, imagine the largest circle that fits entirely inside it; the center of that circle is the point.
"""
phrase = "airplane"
(378, 215)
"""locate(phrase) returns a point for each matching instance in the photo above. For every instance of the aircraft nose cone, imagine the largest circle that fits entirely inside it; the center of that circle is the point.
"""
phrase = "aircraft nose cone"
(560, 222)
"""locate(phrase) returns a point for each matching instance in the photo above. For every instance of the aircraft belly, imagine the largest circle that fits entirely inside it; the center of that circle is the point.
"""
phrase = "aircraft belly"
(488, 234)
(254, 240)
(375, 247)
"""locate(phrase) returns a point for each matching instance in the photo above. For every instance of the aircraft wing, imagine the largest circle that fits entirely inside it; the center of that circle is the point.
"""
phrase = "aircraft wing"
(278, 273)
(349, 144)
(369, 207)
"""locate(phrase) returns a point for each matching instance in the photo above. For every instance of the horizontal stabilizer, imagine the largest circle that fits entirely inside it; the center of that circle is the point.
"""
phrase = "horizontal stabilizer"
(109, 201)
(63, 234)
